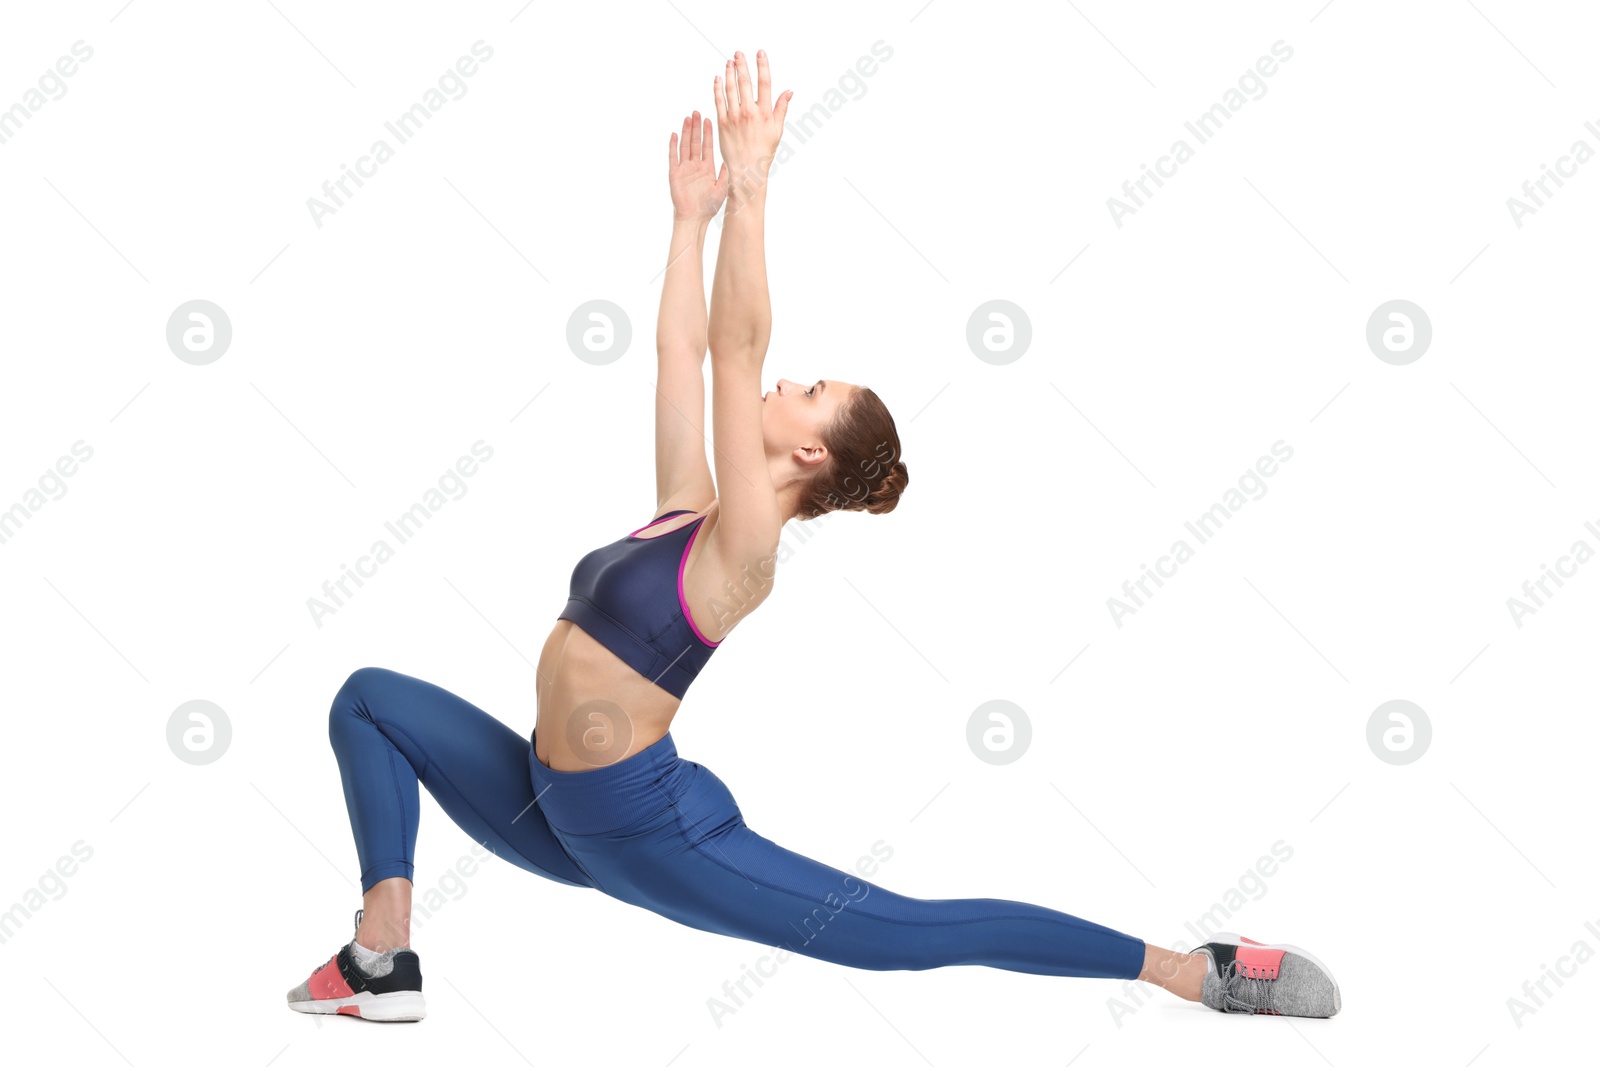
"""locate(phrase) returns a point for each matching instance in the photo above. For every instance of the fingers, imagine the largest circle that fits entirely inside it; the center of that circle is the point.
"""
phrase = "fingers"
(782, 110)
(763, 79)
(747, 98)
(730, 83)
(719, 96)
(694, 145)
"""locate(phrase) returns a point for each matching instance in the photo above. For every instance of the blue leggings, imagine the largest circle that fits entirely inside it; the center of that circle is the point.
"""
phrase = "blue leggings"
(663, 833)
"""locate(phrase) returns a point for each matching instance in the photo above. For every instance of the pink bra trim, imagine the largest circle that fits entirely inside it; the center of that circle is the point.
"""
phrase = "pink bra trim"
(683, 604)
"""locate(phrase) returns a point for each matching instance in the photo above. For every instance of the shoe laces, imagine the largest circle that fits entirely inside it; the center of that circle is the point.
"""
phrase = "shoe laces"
(1244, 993)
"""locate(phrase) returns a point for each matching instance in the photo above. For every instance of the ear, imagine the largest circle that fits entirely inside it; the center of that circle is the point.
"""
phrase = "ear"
(811, 456)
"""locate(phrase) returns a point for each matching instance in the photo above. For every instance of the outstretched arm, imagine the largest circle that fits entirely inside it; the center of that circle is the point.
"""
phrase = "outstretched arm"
(682, 478)
(749, 128)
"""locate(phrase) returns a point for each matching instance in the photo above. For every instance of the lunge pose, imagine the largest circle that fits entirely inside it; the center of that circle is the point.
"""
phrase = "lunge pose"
(598, 796)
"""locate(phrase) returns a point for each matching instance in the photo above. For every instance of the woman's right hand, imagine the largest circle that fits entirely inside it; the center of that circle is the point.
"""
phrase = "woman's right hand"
(749, 124)
(697, 189)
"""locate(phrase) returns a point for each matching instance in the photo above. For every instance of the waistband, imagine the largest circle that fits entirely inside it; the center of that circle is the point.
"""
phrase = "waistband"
(606, 798)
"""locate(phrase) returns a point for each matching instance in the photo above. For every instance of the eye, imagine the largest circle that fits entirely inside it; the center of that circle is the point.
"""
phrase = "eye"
(812, 391)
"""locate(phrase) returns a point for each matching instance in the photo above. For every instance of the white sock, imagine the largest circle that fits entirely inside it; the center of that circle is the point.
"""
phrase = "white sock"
(364, 955)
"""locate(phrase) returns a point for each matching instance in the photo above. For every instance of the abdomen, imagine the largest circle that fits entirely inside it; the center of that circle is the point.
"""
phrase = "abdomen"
(594, 710)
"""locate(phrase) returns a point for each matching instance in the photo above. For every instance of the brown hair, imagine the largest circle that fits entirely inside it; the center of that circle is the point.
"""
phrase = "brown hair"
(864, 471)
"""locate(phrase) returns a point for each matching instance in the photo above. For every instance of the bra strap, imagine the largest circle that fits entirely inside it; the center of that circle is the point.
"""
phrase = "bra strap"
(664, 518)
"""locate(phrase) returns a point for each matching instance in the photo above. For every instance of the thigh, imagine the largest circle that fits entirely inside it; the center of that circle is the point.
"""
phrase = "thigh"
(696, 862)
(733, 882)
(473, 764)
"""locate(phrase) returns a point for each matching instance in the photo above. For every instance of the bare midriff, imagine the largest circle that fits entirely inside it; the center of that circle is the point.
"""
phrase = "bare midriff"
(594, 709)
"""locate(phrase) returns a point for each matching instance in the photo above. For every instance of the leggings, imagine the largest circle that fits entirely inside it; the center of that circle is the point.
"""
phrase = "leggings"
(663, 833)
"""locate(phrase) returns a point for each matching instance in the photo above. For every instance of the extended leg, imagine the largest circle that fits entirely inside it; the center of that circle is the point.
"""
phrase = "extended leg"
(782, 898)
(389, 731)
(697, 862)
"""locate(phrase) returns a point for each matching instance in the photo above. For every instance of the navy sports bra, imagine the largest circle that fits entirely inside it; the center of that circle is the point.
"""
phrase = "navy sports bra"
(628, 596)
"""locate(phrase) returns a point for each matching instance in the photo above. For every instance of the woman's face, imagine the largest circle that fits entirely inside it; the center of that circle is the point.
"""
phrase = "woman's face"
(794, 415)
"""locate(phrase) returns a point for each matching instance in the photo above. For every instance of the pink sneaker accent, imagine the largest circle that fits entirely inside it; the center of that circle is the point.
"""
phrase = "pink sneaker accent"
(326, 983)
(1256, 962)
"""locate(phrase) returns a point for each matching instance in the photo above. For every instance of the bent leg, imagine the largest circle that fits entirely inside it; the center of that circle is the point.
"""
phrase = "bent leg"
(389, 731)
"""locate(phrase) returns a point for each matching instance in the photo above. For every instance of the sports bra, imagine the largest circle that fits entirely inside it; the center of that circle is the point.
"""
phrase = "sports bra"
(628, 596)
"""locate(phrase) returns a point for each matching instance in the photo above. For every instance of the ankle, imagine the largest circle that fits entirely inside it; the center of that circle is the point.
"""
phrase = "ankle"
(1179, 973)
(380, 933)
(386, 915)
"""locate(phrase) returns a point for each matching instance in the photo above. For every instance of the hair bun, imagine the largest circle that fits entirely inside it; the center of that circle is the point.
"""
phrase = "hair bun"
(882, 499)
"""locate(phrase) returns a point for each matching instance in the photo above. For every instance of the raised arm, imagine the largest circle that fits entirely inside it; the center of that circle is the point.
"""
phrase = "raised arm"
(682, 478)
(748, 129)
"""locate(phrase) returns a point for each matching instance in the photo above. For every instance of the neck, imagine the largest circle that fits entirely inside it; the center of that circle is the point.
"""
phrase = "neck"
(788, 486)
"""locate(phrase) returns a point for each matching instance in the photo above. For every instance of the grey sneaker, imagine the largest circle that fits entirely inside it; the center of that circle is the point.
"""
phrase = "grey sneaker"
(1255, 979)
(390, 991)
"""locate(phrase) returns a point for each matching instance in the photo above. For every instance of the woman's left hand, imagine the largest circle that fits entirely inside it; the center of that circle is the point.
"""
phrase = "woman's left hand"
(697, 189)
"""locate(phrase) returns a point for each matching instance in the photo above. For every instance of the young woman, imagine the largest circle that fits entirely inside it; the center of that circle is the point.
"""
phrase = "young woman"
(599, 797)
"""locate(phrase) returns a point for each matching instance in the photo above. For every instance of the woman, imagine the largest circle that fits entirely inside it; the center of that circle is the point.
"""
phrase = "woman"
(600, 798)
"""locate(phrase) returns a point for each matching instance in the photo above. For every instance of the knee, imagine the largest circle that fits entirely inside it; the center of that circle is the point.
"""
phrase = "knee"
(362, 679)
(352, 699)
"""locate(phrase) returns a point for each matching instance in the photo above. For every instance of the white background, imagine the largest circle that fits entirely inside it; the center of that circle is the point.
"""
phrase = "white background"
(1227, 314)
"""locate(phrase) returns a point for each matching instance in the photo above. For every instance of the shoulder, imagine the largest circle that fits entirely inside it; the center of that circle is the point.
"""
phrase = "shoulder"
(729, 551)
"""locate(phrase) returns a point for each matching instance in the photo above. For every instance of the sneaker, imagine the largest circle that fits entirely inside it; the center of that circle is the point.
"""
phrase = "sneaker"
(387, 990)
(1255, 979)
